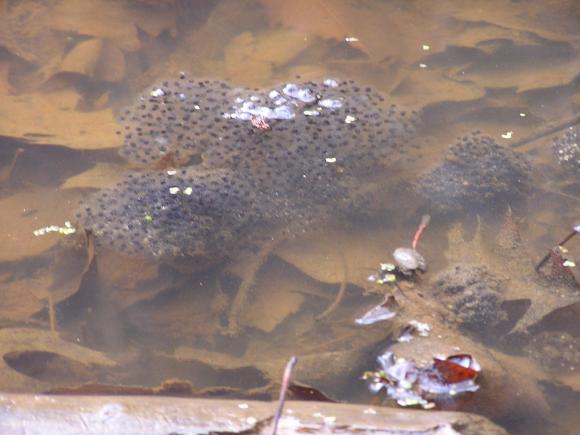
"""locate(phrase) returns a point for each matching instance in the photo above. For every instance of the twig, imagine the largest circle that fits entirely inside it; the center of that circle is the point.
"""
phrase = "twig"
(6, 173)
(341, 291)
(541, 134)
(543, 261)
(424, 222)
(246, 285)
(283, 390)
(51, 313)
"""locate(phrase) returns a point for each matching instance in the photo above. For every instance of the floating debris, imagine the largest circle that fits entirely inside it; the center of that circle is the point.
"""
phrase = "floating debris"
(412, 329)
(387, 274)
(385, 311)
(410, 385)
(507, 135)
(66, 230)
(409, 260)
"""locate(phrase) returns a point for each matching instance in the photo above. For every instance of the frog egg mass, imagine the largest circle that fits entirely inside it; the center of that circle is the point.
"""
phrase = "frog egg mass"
(242, 159)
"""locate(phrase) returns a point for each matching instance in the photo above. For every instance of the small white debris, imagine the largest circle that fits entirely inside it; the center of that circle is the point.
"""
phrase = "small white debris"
(349, 119)
(330, 103)
(422, 65)
(188, 191)
(370, 411)
(174, 190)
(331, 83)
(65, 231)
(157, 93)
(196, 107)
(330, 160)
(311, 113)
(251, 420)
(243, 405)
(507, 134)
(569, 263)
(523, 115)
(171, 172)
(351, 39)
(274, 94)
(425, 47)
(318, 415)
(423, 329)
(330, 419)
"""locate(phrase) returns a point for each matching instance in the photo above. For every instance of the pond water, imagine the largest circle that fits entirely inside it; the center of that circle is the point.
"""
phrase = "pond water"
(193, 192)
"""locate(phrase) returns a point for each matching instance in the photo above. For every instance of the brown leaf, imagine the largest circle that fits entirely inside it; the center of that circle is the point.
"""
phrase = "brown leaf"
(117, 21)
(54, 119)
(382, 29)
(171, 387)
(100, 176)
(32, 351)
(98, 59)
(318, 255)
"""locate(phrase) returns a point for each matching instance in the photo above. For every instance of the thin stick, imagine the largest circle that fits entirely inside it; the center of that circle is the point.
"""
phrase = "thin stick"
(6, 174)
(564, 241)
(552, 130)
(424, 222)
(246, 285)
(341, 291)
(283, 390)
(51, 314)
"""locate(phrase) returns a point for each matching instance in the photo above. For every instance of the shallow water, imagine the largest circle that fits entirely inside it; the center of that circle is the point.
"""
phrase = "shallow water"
(74, 312)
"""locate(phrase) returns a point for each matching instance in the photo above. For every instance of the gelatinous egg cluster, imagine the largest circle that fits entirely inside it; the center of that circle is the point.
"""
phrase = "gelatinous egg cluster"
(566, 149)
(476, 172)
(241, 159)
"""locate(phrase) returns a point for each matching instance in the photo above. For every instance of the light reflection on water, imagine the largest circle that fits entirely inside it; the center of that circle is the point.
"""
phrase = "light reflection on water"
(507, 68)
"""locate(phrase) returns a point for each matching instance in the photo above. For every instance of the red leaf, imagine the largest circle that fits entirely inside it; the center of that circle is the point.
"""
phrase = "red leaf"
(452, 372)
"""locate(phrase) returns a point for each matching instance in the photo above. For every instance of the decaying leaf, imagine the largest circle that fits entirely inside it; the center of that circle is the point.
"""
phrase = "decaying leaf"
(116, 21)
(25, 31)
(171, 387)
(100, 176)
(251, 59)
(318, 255)
(32, 351)
(374, 27)
(54, 119)
(524, 282)
(516, 378)
(97, 59)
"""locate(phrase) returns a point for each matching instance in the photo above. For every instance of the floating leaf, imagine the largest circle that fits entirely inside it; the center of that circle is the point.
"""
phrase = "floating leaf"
(385, 311)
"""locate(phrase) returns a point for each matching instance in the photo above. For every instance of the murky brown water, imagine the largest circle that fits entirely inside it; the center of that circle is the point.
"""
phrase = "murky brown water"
(73, 314)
